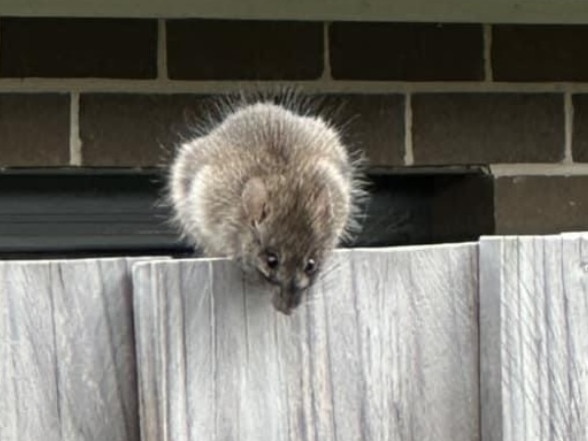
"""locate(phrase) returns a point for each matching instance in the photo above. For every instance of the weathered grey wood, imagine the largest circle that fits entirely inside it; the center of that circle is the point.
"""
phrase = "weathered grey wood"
(387, 349)
(67, 360)
(534, 338)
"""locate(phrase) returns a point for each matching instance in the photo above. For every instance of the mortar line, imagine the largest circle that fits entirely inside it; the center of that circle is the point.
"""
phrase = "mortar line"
(82, 85)
(408, 147)
(488, 73)
(75, 143)
(326, 53)
(569, 128)
(161, 49)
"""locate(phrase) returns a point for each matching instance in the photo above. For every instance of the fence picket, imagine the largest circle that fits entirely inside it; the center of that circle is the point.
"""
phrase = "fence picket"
(386, 349)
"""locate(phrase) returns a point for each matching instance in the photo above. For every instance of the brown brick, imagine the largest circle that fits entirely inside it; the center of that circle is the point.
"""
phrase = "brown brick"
(406, 51)
(541, 204)
(244, 50)
(34, 130)
(580, 133)
(458, 128)
(135, 130)
(539, 53)
(66, 47)
(373, 124)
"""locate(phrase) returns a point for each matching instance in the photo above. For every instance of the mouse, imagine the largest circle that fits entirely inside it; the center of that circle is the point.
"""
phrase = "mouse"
(271, 187)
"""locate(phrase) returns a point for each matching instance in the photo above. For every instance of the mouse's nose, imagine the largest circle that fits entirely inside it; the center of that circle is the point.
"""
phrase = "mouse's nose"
(293, 294)
(294, 286)
(288, 298)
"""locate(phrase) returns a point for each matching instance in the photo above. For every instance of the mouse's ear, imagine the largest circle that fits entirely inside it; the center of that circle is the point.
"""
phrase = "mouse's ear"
(255, 200)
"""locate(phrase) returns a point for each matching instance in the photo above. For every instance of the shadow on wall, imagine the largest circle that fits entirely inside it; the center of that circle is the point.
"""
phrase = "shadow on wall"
(106, 212)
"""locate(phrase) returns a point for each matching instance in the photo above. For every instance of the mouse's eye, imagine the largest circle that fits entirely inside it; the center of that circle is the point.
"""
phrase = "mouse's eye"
(310, 266)
(272, 260)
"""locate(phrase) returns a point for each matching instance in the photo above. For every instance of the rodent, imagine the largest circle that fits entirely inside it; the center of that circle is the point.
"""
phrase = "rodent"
(273, 189)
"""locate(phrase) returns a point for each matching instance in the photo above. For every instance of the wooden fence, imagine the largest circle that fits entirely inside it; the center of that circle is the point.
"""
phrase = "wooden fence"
(463, 342)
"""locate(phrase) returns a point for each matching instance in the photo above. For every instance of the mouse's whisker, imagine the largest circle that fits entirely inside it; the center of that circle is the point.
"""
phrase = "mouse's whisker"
(231, 193)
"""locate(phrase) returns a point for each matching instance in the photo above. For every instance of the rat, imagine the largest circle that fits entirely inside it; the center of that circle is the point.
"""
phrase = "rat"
(274, 189)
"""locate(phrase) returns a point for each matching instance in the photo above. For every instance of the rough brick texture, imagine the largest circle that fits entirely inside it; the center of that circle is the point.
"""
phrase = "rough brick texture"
(406, 51)
(458, 117)
(34, 130)
(487, 128)
(539, 53)
(372, 123)
(580, 133)
(244, 50)
(140, 130)
(60, 47)
(541, 204)
(128, 130)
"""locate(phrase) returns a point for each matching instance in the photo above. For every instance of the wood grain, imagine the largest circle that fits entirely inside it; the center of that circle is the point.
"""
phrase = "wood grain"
(67, 360)
(534, 338)
(385, 349)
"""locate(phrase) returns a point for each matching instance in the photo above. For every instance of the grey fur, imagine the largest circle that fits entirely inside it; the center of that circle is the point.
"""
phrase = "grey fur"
(267, 179)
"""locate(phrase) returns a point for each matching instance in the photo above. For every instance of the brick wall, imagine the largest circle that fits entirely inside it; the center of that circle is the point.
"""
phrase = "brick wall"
(120, 92)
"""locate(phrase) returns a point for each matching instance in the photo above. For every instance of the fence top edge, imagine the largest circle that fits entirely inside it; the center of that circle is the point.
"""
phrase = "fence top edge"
(83, 260)
(395, 250)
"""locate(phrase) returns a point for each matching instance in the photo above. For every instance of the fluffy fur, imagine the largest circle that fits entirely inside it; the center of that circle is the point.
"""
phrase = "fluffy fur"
(274, 189)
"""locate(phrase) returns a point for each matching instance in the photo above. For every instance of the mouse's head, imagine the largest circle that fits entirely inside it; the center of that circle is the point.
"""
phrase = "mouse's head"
(289, 234)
